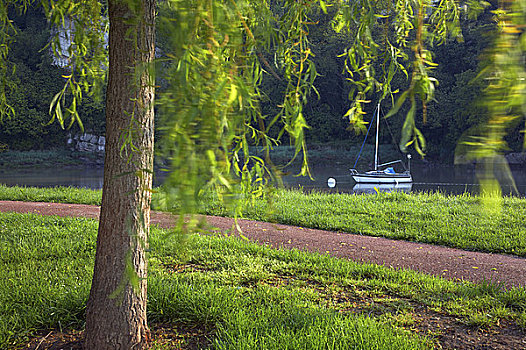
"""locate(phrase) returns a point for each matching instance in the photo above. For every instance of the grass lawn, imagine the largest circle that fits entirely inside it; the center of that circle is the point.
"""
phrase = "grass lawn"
(466, 222)
(240, 295)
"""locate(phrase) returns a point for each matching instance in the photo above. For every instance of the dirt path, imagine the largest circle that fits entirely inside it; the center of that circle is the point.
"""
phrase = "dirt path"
(448, 263)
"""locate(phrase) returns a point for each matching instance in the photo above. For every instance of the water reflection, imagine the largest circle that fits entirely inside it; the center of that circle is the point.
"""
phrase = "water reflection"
(92, 178)
(52, 177)
(361, 188)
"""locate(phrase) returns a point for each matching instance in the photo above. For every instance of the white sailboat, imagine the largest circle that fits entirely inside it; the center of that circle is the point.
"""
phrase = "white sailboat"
(382, 173)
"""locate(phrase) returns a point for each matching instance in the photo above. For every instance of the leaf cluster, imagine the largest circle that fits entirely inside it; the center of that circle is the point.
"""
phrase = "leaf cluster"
(32, 86)
(504, 96)
(212, 69)
(79, 42)
(407, 28)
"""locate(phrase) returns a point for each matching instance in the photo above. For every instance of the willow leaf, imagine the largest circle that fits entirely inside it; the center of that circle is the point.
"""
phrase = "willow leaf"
(398, 104)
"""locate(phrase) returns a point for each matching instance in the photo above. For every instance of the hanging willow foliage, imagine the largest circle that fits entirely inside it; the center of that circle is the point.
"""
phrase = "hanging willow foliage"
(504, 98)
(211, 64)
(212, 72)
(80, 29)
(409, 28)
(506, 93)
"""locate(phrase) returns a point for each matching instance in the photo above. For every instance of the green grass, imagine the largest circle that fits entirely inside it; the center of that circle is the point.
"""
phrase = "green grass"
(466, 222)
(251, 296)
(59, 194)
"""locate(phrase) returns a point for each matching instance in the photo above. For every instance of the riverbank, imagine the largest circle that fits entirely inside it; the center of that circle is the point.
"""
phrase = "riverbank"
(478, 223)
(331, 154)
(205, 292)
(48, 159)
(319, 154)
(335, 155)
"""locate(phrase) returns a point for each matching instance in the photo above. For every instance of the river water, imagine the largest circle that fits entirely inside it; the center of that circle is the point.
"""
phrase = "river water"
(446, 179)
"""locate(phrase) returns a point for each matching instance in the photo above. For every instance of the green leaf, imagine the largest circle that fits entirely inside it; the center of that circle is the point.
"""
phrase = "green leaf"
(233, 94)
(421, 140)
(323, 6)
(58, 113)
(53, 102)
(408, 128)
(398, 104)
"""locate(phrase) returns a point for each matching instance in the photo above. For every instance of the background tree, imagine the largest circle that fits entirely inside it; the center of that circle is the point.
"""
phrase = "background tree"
(33, 78)
(33, 83)
(453, 110)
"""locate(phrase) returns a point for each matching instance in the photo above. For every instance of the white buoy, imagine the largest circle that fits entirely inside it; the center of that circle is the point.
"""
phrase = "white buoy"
(331, 182)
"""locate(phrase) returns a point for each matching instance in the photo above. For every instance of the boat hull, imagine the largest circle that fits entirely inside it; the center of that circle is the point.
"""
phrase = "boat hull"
(382, 178)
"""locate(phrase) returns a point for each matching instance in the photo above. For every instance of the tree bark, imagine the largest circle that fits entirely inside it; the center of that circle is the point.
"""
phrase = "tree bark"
(116, 309)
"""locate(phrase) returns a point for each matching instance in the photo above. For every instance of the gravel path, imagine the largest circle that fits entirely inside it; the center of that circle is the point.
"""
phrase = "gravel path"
(454, 264)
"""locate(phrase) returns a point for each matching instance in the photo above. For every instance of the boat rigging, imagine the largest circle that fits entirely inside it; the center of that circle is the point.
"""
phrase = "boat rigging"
(382, 173)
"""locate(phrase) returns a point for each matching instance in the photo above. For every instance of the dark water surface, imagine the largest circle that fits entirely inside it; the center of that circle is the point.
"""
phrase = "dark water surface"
(445, 179)
(51, 177)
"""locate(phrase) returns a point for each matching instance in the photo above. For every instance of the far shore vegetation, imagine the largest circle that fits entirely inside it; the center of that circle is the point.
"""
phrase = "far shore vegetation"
(335, 153)
(479, 223)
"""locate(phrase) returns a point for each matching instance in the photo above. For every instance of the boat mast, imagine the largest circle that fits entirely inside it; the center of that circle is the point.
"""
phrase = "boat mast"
(377, 133)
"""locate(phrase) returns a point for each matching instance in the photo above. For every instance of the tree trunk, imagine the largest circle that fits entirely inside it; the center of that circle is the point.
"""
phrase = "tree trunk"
(116, 310)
